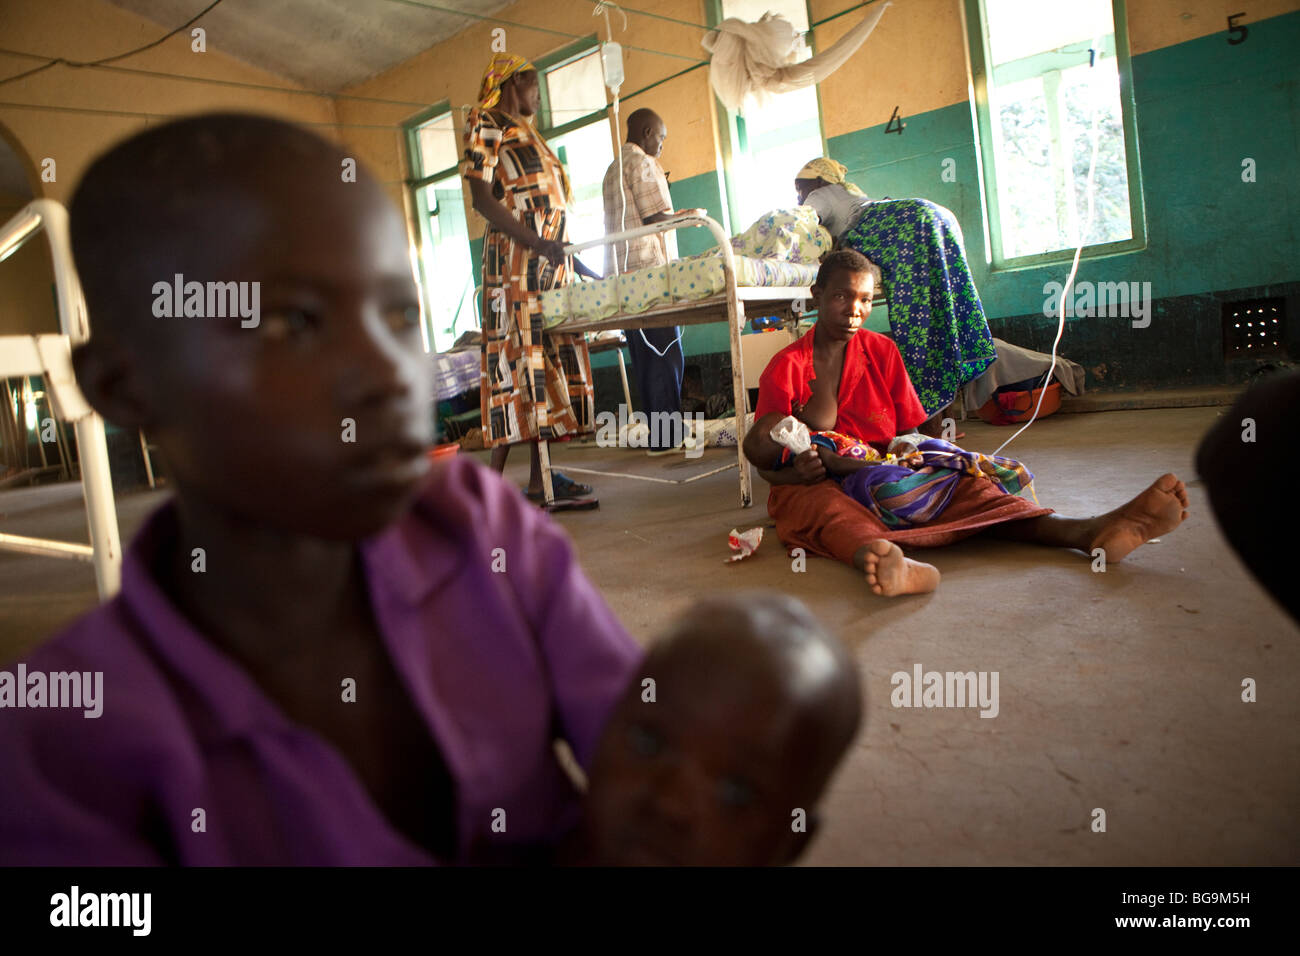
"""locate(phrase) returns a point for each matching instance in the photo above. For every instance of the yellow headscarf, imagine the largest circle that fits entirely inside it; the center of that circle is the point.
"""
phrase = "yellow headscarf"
(830, 171)
(501, 68)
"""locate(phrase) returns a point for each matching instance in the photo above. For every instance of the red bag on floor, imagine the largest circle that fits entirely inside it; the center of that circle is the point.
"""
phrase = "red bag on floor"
(1014, 407)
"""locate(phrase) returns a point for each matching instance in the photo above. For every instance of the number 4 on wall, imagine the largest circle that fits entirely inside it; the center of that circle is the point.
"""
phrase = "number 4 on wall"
(895, 124)
(1233, 28)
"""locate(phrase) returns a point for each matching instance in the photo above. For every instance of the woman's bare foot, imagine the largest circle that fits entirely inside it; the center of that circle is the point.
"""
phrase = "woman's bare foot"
(890, 574)
(1158, 510)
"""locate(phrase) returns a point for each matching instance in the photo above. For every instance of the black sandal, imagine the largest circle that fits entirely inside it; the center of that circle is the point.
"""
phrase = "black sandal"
(572, 504)
(563, 486)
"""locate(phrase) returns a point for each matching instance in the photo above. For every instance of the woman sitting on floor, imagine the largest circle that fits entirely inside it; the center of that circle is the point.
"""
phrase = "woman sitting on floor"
(842, 377)
(934, 311)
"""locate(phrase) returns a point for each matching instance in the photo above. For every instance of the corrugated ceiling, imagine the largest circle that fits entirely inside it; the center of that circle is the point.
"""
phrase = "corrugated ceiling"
(322, 44)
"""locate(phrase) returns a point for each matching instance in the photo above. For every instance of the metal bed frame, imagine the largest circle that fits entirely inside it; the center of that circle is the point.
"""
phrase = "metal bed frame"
(730, 306)
(51, 357)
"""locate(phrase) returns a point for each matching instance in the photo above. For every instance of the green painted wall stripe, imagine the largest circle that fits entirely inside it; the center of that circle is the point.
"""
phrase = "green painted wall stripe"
(1202, 107)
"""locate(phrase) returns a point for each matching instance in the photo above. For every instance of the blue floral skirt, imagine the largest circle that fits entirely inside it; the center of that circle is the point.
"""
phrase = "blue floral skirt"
(934, 311)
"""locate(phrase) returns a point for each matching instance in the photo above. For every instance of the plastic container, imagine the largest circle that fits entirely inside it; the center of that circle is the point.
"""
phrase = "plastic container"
(611, 63)
(444, 451)
(1015, 408)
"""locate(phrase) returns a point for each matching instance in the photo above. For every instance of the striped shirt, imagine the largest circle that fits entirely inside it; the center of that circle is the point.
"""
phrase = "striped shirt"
(645, 193)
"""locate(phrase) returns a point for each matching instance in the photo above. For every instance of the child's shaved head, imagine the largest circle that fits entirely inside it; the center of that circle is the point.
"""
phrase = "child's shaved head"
(754, 704)
(313, 416)
(161, 203)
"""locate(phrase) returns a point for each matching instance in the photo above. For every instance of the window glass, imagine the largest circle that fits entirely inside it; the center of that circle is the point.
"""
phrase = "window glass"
(448, 273)
(439, 144)
(587, 153)
(1048, 74)
(575, 90)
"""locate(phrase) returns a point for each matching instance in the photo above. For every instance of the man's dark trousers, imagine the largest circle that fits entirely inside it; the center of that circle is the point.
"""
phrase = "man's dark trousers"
(658, 378)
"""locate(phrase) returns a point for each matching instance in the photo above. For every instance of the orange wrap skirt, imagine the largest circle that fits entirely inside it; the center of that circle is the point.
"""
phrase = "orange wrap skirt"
(822, 519)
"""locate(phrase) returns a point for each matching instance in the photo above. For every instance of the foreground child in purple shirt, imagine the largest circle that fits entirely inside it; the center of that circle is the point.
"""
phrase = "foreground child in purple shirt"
(321, 654)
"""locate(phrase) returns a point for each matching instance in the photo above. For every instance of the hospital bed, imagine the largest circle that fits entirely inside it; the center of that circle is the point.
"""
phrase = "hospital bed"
(726, 299)
(51, 357)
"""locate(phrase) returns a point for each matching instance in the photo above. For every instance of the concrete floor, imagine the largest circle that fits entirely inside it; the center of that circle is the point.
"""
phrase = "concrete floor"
(1119, 690)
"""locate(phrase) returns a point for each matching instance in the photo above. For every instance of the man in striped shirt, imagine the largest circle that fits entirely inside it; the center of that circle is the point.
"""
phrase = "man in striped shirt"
(657, 358)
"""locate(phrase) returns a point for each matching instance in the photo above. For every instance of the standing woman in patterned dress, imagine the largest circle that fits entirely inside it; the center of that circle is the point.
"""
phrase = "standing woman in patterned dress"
(535, 385)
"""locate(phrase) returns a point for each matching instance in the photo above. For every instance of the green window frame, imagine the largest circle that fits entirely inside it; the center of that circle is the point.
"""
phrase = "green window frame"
(978, 38)
(467, 304)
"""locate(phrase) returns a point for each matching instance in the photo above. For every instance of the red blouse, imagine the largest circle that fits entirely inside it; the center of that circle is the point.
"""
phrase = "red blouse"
(876, 398)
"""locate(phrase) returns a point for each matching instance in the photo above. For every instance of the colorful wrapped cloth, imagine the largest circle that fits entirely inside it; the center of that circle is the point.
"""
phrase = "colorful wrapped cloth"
(846, 446)
(500, 68)
(903, 495)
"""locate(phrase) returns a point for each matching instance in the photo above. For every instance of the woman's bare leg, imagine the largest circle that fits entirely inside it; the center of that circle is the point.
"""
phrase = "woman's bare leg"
(499, 455)
(1057, 531)
(534, 469)
(501, 452)
(1158, 510)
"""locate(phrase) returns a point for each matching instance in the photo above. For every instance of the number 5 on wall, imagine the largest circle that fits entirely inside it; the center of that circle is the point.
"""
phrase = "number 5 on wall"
(1233, 28)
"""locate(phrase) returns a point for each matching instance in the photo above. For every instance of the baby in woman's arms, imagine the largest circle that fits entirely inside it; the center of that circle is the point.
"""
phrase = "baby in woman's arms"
(910, 483)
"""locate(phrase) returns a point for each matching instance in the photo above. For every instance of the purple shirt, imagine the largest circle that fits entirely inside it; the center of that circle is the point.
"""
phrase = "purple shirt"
(497, 664)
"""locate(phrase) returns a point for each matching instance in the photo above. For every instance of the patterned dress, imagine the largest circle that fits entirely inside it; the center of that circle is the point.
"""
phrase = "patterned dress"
(534, 385)
(934, 311)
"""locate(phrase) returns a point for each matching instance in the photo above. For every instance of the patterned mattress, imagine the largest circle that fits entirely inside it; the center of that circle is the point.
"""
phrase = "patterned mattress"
(682, 280)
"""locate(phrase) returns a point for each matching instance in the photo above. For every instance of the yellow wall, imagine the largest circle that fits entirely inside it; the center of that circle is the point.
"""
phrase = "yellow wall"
(74, 114)
(11, 202)
(71, 115)
(452, 71)
(26, 281)
(916, 59)
(1154, 24)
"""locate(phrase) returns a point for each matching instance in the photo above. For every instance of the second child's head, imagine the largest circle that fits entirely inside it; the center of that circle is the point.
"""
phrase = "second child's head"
(720, 749)
(252, 308)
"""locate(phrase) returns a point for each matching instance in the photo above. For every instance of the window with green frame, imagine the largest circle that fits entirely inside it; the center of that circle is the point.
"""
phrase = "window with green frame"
(1041, 74)
(447, 274)
(766, 145)
(574, 118)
